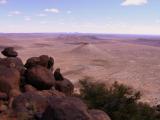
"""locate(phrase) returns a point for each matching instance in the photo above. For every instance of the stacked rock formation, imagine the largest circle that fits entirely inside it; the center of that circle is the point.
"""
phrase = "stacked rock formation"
(35, 92)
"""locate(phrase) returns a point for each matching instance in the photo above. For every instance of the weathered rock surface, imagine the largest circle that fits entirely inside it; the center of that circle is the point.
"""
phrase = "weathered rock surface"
(40, 77)
(13, 62)
(9, 79)
(49, 93)
(65, 86)
(8, 116)
(29, 88)
(42, 60)
(44, 93)
(62, 84)
(9, 52)
(46, 61)
(66, 108)
(29, 104)
(31, 62)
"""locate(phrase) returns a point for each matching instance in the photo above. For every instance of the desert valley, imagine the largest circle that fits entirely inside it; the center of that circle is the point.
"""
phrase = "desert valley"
(128, 59)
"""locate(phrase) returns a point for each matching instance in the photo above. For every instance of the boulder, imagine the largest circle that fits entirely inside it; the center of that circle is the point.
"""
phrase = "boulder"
(62, 84)
(9, 52)
(9, 79)
(65, 86)
(42, 60)
(13, 62)
(98, 115)
(29, 105)
(66, 108)
(40, 77)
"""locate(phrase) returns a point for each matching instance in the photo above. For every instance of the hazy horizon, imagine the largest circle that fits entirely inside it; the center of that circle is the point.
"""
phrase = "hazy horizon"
(83, 33)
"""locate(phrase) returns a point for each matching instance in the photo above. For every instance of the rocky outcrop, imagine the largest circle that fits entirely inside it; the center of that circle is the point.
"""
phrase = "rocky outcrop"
(33, 92)
(33, 104)
(71, 108)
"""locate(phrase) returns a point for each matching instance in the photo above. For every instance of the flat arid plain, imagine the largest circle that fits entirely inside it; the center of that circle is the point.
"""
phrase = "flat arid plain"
(128, 59)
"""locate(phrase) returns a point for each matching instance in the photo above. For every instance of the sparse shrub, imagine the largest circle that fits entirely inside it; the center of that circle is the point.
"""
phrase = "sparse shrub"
(119, 101)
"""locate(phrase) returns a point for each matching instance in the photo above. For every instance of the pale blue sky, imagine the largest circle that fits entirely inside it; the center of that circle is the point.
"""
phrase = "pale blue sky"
(89, 16)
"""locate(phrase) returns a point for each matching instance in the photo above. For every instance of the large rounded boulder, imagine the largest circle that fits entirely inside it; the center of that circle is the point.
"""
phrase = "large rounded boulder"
(40, 77)
(66, 108)
(9, 52)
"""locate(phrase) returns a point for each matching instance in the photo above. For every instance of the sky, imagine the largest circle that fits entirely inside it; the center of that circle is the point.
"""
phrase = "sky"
(84, 16)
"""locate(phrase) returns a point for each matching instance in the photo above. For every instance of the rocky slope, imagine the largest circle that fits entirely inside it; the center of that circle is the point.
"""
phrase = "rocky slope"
(35, 91)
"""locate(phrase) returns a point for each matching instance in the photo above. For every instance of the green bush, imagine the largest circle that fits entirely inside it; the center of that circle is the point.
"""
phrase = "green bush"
(119, 101)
